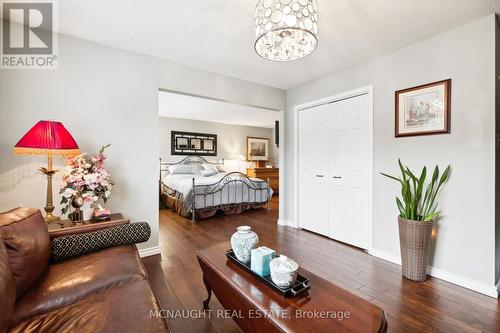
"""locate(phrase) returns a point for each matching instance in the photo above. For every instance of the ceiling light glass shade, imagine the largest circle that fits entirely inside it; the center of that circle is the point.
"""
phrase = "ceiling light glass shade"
(286, 30)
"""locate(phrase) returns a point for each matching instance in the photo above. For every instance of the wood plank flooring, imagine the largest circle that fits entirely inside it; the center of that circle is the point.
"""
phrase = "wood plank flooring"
(431, 306)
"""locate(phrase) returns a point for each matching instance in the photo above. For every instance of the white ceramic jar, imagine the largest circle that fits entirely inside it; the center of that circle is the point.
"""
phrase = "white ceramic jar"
(243, 242)
(283, 271)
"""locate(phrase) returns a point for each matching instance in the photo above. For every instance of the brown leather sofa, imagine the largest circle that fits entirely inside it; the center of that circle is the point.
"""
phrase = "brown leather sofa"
(104, 291)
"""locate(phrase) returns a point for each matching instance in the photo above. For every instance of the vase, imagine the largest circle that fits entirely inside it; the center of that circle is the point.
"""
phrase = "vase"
(243, 242)
(415, 240)
(87, 210)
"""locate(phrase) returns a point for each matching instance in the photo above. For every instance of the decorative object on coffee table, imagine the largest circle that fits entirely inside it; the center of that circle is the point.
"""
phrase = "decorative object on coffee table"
(418, 210)
(48, 138)
(283, 271)
(299, 287)
(260, 259)
(85, 176)
(243, 242)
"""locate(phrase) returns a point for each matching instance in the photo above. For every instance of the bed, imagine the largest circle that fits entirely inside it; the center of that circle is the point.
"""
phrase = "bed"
(188, 189)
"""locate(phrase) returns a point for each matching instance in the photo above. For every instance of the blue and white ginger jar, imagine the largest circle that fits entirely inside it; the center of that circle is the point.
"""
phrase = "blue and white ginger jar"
(243, 242)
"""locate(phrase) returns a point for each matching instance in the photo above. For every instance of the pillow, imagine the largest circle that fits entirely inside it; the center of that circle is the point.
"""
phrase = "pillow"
(208, 173)
(69, 246)
(26, 238)
(180, 169)
(197, 169)
(220, 168)
(210, 168)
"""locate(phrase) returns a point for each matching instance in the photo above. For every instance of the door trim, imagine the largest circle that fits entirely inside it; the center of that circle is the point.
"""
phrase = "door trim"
(331, 99)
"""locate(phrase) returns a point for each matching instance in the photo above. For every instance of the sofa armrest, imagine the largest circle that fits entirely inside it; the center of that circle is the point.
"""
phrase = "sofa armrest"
(74, 245)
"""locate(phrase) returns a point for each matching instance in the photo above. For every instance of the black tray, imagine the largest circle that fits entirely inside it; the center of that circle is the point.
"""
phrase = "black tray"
(300, 286)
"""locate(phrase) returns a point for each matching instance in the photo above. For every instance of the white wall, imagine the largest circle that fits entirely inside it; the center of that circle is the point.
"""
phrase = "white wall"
(497, 154)
(231, 139)
(465, 244)
(102, 95)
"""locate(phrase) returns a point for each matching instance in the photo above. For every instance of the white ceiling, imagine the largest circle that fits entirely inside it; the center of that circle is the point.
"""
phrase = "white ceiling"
(189, 107)
(217, 35)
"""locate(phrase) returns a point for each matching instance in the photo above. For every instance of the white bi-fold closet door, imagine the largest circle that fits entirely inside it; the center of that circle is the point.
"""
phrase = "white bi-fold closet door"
(335, 152)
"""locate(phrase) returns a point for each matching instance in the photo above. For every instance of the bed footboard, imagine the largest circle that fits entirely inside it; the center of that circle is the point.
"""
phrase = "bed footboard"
(240, 183)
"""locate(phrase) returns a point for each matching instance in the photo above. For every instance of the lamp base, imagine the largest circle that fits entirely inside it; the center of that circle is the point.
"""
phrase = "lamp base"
(51, 218)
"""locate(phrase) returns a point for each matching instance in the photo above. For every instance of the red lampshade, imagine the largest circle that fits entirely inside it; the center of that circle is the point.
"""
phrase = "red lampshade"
(47, 138)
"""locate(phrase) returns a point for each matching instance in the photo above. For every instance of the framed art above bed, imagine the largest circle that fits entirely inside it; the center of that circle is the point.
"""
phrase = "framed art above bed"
(189, 143)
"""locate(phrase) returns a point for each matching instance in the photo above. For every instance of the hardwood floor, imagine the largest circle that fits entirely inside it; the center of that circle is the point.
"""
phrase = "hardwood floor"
(431, 306)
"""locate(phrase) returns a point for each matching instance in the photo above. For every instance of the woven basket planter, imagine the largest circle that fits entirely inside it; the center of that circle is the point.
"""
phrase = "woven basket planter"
(415, 240)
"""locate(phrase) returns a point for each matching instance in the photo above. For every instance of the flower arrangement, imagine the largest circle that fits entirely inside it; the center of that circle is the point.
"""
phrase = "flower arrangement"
(85, 176)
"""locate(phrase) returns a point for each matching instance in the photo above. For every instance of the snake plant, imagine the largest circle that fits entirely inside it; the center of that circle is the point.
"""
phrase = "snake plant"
(418, 204)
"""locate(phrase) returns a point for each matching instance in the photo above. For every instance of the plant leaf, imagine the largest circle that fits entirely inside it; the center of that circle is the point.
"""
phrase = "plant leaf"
(389, 176)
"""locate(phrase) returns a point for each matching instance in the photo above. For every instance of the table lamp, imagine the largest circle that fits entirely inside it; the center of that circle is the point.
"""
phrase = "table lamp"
(52, 139)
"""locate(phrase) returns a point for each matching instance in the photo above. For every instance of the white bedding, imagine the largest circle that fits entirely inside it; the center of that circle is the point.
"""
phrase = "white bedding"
(233, 192)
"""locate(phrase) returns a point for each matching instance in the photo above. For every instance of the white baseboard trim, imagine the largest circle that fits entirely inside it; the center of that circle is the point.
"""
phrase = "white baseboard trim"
(150, 251)
(385, 255)
(480, 287)
(287, 223)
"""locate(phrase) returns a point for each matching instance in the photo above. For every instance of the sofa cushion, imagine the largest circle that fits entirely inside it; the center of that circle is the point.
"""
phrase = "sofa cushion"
(7, 289)
(124, 308)
(28, 245)
(72, 280)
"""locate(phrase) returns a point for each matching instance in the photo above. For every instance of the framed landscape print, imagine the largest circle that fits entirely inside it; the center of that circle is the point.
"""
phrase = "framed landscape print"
(257, 149)
(423, 110)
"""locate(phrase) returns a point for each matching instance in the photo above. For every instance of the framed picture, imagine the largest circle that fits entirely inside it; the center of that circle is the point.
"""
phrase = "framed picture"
(423, 110)
(195, 143)
(189, 143)
(182, 143)
(257, 149)
(208, 144)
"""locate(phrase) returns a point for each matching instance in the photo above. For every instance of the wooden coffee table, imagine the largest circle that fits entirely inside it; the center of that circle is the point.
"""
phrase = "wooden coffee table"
(257, 308)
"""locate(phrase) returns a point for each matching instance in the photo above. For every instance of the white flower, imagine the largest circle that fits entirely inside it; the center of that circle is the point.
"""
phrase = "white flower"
(69, 192)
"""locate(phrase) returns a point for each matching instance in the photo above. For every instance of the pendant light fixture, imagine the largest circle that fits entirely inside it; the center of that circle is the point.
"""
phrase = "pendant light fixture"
(286, 30)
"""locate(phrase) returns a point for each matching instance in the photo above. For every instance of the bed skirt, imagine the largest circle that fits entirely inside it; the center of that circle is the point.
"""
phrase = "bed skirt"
(174, 202)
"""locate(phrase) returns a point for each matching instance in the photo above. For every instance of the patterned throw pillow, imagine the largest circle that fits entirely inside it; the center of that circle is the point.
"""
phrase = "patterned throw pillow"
(69, 246)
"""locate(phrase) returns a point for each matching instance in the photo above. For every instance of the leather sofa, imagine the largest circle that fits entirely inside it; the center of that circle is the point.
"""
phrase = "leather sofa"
(104, 291)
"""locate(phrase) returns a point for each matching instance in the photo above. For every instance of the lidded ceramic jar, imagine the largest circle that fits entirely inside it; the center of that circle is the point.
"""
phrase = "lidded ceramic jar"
(243, 242)
(283, 271)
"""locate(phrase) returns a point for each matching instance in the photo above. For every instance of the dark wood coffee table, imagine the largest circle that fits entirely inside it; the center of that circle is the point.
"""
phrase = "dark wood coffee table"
(257, 308)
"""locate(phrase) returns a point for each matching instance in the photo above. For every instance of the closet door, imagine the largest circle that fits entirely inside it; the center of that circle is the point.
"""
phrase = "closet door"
(313, 169)
(359, 143)
(338, 174)
(349, 156)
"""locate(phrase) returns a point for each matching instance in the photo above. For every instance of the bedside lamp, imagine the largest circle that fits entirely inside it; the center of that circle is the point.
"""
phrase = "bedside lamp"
(240, 158)
(52, 139)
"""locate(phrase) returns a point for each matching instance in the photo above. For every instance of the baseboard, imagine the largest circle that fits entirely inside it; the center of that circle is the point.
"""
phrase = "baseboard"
(480, 287)
(462, 281)
(385, 255)
(150, 251)
(287, 223)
